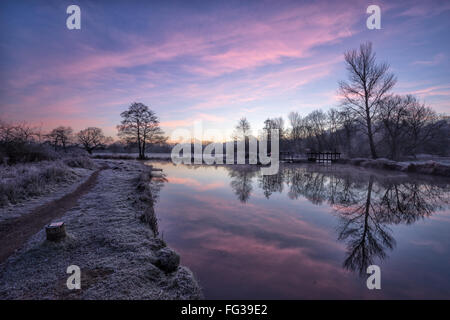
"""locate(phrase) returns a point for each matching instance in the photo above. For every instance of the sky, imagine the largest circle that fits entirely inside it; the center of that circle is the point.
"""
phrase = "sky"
(207, 62)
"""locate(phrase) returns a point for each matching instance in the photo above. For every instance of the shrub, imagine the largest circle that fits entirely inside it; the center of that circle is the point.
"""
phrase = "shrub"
(21, 182)
(28, 152)
(80, 162)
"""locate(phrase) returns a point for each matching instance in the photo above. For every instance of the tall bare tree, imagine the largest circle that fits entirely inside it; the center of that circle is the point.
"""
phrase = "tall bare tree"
(140, 125)
(367, 85)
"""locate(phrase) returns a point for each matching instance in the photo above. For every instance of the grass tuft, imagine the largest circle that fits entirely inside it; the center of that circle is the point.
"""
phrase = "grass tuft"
(23, 181)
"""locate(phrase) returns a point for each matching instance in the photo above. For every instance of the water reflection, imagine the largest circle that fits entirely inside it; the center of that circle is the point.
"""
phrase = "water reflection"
(366, 203)
(241, 181)
(361, 227)
(308, 232)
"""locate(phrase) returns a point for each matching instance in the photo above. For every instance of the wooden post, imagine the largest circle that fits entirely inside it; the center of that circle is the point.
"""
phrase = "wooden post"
(55, 231)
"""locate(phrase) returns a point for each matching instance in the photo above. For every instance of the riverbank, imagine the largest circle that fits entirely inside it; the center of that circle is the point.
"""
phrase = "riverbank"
(117, 251)
(423, 167)
(428, 167)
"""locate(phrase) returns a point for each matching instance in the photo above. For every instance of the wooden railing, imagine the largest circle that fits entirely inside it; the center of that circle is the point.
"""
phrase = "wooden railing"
(323, 156)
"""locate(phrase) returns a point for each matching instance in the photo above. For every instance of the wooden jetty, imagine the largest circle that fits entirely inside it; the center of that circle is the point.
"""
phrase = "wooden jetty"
(323, 156)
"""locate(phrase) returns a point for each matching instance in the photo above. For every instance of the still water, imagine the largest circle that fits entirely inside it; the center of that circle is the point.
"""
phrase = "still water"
(309, 232)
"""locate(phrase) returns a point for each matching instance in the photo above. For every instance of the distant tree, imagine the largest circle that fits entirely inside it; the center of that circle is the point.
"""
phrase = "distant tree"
(61, 136)
(422, 125)
(393, 114)
(440, 144)
(368, 84)
(117, 146)
(333, 126)
(274, 123)
(348, 125)
(24, 132)
(317, 125)
(242, 129)
(17, 133)
(92, 138)
(295, 120)
(140, 125)
(7, 132)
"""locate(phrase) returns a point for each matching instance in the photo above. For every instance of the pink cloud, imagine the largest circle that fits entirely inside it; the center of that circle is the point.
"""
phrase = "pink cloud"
(441, 90)
(437, 59)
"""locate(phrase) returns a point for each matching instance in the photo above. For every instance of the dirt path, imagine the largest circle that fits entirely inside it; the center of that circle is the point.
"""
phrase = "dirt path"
(117, 253)
(15, 232)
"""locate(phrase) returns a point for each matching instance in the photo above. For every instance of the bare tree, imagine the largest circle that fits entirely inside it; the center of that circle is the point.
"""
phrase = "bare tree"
(368, 84)
(333, 127)
(92, 138)
(295, 120)
(394, 112)
(348, 125)
(274, 123)
(317, 120)
(242, 129)
(24, 132)
(7, 132)
(140, 125)
(422, 125)
(60, 136)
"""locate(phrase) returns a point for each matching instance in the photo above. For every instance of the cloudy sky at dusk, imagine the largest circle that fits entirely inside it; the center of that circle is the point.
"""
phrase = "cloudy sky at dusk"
(214, 61)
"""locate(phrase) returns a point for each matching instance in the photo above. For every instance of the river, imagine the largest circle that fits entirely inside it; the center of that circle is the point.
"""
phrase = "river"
(309, 232)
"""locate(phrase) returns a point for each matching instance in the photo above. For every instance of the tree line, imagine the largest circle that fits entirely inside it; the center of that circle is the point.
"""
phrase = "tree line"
(61, 137)
(370, 121)
(139, 129)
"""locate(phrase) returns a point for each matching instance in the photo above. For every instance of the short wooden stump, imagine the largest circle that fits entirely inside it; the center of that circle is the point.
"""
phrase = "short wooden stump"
(55, 231)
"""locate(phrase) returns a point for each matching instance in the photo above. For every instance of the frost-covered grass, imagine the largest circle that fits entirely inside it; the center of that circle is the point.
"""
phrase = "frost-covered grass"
(423, 167)
(116, 252)
(130, 156)
(22, 181)
(147, 193)
(79, 162)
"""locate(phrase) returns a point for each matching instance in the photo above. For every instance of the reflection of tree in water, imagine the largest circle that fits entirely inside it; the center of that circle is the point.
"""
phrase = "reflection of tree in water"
(364, 225)
(408, 202)
(365, 205)
(241, 180)
(271, 184)
(366, 235)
